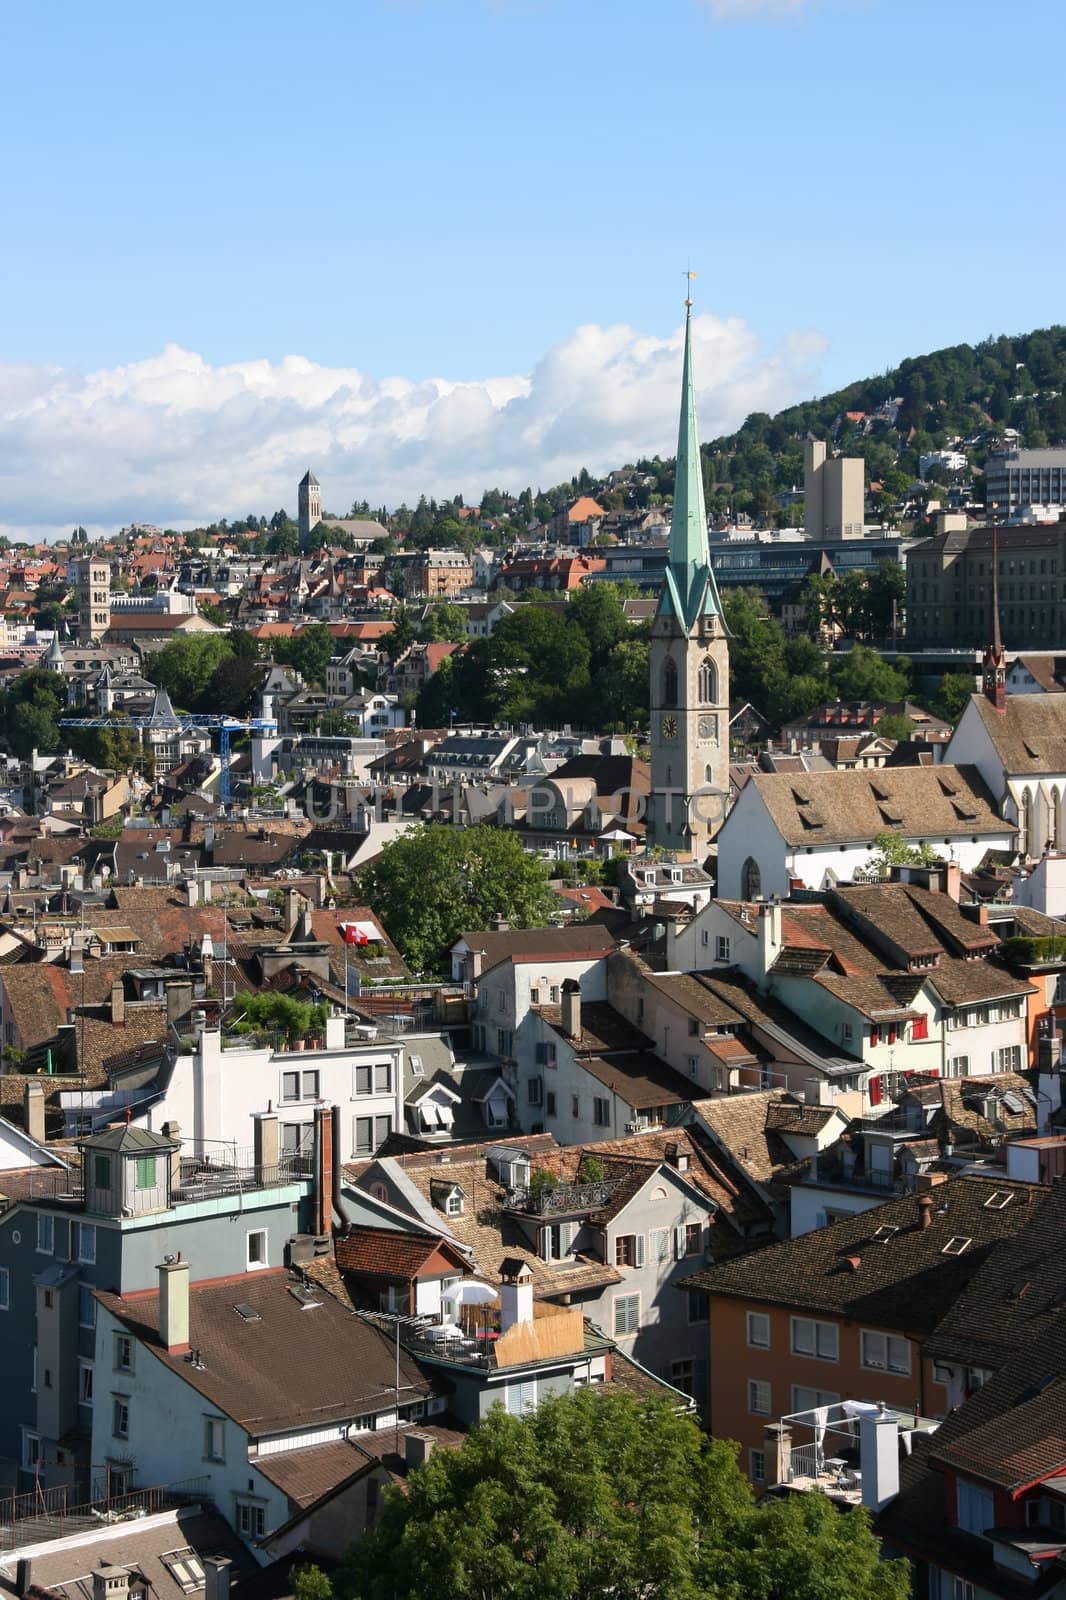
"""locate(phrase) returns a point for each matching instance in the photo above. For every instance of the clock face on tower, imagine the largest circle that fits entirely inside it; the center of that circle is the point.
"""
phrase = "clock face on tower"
(708, 727)
(669, 727)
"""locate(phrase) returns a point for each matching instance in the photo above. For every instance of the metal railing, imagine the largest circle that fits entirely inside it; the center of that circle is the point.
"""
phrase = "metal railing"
(55, 1513)
(544, 1201)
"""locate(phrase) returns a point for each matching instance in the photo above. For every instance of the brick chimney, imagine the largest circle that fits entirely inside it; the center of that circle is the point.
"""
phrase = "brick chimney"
(118, 1004)
(324, 1156)
(33, 1109)
(925, 1211)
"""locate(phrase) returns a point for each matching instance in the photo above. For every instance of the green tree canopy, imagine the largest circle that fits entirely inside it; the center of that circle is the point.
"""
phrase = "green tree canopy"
(597, 1494)
(31, 708)
(184, 667)
(308, 651)
(437, 881)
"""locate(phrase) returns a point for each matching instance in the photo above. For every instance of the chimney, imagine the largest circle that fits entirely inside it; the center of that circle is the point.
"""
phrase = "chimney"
(33, 1109)
(879, 1458)
(925, 1211)
(172, 1131)
(769, 931)
(192, 891)
(777, 1444)
(307, 927)
(418, 1447)
(173, 1305)
(265, 1144)
(516, 1293)
(23, 1575)
(111, 1583)
(572, 1008)
(179, 999)
(323, 1169)
(953, 880)
(499, 923)
(118, 1004)
(818, 1092)
(216, 1577)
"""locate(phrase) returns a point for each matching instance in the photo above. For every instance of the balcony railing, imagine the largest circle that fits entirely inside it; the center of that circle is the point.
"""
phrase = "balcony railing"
(202, 1176)
(56, 1513)
(544, 1201)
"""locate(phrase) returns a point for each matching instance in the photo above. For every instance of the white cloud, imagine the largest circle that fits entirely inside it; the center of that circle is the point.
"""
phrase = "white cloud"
(174, 440)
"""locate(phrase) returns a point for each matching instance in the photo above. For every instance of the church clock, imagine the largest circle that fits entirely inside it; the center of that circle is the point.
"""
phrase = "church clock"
(669, 727)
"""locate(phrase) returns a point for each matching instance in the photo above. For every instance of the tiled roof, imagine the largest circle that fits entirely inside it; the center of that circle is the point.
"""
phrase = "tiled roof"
(741, 1124)
(305, 1476)
(1029, 736)
(284, 1365)
(582, 941)
(908, 1282)
(820, 808)
(384, 1253)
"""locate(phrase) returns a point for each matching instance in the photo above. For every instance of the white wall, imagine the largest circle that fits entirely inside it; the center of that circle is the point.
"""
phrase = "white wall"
(215, 1093)
(809, 1205)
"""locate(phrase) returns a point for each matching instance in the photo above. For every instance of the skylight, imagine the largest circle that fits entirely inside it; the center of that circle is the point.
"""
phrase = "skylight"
(999, 1201)
(956, 1246)
(247, 1313)
(885, 1232)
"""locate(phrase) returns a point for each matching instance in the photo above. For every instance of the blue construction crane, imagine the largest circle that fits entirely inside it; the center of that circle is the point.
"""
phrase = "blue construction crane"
(163, 715)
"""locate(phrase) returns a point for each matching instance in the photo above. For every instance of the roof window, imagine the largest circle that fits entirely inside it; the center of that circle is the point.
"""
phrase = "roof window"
(999, 1201)
(956, 1246)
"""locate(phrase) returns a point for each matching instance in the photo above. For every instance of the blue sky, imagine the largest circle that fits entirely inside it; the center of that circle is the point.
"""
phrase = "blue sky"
(400, 191)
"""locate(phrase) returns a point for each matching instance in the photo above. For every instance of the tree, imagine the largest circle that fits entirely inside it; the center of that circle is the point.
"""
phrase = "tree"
(403, 635)
(436, 881)
(953, 696)
(596, 1494)
(32, 707)
(446, 624)
(896, 726)
(232, 687)
(184, 667)
(892, 850)
(863, 675)
(309, 651)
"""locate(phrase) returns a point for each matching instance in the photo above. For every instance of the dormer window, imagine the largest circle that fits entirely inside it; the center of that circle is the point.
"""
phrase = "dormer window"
(454, 1204)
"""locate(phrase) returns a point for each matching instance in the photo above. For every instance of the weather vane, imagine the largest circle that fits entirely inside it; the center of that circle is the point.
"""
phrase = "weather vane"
(689, 274)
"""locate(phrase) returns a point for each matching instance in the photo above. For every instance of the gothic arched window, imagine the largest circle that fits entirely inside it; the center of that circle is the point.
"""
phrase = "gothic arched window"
(708, 683)
(751, 880)
(670, 682)
(1056, 820)
(1026, 820)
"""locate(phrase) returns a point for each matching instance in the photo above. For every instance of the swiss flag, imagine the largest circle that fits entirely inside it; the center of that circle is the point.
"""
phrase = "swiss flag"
(353, 934)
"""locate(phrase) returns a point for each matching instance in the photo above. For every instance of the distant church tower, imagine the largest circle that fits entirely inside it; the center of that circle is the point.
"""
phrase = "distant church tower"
(689, 663)
(309, 507)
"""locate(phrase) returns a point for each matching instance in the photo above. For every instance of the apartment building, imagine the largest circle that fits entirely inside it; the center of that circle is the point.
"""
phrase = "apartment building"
(1018, 480)
(949, 588)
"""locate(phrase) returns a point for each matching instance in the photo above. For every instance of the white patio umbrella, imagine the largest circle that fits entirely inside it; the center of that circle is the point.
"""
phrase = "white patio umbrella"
(469, 1292)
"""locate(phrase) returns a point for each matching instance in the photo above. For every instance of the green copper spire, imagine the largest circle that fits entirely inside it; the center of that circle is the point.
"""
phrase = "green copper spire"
(692, 588)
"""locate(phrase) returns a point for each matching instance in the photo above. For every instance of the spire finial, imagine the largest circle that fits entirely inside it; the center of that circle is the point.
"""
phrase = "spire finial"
(689, 275)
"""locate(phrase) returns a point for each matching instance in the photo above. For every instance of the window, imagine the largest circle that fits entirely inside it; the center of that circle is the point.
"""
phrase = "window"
(1046, 1513)
(371, 1133)
(145, 1172)
(920, 1028)
(549, 1104)
(536, 1091)
(819, 1339)
(806, 1399)
(708, 683)
(758, 1397)
(297, 1139)
(693, 1238)
(629, 1250)
(102, 1172)
(601, 1111)
(382, 1077)
(721, 948)
(626, 1314)
(1008, 1059)
(85, 1383)
(976, 1507)
(251, 1520)
(31, 1450)
(185, 1568)
(575, 1105)
(86, 1306)
(257, 1249)
(670, 683)
(757, 1465)
(659, 1239)
(698, 1306)
(885, 1352)
(290, 1086)
(123, 1352)
(120, 1416)
(504, 1041)
(454, 1205)
(958, 1066)
(686, 1374)
(83, 1242)
(214, 1439)
(759, 1330)
(751, 880)
(45, 1233)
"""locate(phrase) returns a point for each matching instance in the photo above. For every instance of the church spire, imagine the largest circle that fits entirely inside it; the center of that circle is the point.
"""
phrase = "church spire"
(690, 561)
(994, 671)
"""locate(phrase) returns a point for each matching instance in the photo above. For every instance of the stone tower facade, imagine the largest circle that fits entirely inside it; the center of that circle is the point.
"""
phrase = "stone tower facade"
(689, 665)
(309, 507)
(94, 598)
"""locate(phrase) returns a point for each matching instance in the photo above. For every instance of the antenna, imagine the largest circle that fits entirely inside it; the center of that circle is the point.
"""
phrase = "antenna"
(688, 274)
(997, 642)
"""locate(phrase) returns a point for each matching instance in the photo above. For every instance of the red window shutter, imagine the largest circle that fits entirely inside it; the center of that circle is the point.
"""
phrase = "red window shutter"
(920, 1029)
(892, 1033)
(875, 1091)
(875, 1036)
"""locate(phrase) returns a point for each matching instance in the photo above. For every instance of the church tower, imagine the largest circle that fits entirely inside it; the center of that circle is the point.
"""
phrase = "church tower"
(309, 507)
(689, 663)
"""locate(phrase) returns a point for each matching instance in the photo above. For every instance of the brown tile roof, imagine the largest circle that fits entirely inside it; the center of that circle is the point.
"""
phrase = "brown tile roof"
(916, 920)
(1015, 1451)
(384, 1253)
(854, 806)
(907, 1282)
(583, 940)
(1030, 735)
(287, 1367)
(741, 1124)
(962, 1099)
(63, 1567)
(305, 1476)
